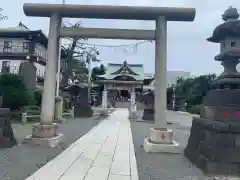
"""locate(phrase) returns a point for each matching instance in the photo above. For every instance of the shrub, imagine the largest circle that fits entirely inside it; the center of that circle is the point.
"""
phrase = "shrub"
(38, 97)
(13, 92)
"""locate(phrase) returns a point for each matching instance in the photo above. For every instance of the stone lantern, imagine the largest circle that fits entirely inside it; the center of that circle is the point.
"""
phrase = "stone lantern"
(214, 142)
(148, 113)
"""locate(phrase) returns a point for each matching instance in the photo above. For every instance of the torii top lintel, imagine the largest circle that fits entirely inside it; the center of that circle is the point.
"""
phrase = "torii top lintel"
(109, 12)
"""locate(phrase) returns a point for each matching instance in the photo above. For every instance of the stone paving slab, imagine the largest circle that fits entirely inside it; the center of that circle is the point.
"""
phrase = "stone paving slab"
(105, 153)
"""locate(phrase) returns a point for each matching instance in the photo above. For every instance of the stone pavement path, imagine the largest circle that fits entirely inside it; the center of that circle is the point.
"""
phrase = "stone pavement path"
(105, 153)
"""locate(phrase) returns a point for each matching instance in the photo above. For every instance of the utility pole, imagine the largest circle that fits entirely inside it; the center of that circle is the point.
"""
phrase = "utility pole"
(89, 60)
(91, 56)
(174, 98)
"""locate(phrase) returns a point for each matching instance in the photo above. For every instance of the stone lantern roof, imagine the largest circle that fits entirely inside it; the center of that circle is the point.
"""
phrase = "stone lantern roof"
(230, 28)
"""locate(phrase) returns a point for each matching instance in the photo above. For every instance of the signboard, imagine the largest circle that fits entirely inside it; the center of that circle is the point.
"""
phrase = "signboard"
(104, 99)
(133, 97)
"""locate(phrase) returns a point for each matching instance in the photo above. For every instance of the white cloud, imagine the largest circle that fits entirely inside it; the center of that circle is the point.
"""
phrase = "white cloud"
(187, 46)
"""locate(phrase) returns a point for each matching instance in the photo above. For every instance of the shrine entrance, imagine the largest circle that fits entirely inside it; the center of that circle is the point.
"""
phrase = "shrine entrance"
(158, 14)
(124, 94)
(123, 81)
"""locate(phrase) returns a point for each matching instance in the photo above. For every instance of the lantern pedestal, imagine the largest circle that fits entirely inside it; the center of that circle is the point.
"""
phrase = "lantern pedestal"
(148, 112)
(83, 110)
(82, 107)
(214, 146)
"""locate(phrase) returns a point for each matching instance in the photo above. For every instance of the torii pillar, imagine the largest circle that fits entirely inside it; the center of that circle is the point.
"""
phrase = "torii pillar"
(160, 138)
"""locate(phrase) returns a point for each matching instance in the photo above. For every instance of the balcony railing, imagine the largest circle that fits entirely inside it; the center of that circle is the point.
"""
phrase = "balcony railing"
(15, 70)
(14, 49)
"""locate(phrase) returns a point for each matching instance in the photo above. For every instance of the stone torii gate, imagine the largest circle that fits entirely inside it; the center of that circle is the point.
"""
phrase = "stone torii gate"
(160, 138)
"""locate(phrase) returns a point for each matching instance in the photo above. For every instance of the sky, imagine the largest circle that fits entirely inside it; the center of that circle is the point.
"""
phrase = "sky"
(187, 48)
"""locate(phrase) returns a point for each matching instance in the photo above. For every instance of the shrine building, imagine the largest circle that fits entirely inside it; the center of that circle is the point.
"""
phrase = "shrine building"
(123, 81)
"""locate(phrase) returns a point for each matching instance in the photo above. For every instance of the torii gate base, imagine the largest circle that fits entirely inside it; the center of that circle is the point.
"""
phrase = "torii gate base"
(160, 139)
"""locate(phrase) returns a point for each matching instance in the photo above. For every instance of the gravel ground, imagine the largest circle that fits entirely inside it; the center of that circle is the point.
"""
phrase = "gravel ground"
(14, 162)
(159, 166)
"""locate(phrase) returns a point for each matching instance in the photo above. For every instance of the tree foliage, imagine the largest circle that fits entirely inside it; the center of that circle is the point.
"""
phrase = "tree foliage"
(192, 90)
(81, 72)
(38, 97)
(98, 70)
(13, 92)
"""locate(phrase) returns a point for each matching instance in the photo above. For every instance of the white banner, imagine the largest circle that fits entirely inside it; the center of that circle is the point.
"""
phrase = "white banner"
(104, 99)
(133, 97)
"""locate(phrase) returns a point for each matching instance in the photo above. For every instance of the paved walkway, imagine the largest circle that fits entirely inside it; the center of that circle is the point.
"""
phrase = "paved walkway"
(105, 153)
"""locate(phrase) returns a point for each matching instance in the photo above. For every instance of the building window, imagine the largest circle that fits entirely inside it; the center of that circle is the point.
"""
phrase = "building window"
(25, 45)
(5, 67)
(233, 43)
(7, 46)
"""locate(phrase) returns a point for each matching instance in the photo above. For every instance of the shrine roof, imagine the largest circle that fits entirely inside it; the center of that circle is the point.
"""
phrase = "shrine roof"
(113, 68)
(135, 71)
(110, 76)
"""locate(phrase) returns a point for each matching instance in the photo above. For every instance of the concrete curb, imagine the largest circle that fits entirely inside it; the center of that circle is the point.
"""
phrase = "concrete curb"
(187, 113)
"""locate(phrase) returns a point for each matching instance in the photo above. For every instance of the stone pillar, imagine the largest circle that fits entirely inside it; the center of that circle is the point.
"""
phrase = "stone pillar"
(28, 72)
(48, 100)
(104, 97)
(160, 73)
(58, 118)
(160, 139)
(45, 132)
(132, 109)
(104, 109)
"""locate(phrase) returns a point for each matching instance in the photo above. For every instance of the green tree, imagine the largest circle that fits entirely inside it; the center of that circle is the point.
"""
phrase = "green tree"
(193, 90)
(81, 72)
(38, 97)
(13, 92)
(98, 70)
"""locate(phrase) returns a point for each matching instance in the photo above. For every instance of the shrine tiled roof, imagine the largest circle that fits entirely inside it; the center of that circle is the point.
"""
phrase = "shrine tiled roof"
(134, 68)
(109, 76)
(135, 71)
